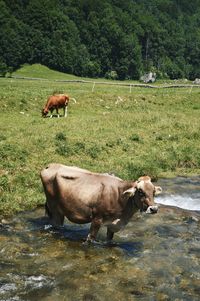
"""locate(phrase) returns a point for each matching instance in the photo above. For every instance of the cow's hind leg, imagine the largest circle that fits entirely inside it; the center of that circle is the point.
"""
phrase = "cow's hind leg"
(110, 235)
(57, 113)
(94, 228)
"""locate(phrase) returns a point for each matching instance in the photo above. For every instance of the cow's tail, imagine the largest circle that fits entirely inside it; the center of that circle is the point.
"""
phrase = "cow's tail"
(74, 100)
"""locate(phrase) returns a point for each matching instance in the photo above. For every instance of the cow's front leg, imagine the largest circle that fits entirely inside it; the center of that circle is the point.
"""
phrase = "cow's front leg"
(110, 235)
(94, 228)
(65, 111)
(51, 113)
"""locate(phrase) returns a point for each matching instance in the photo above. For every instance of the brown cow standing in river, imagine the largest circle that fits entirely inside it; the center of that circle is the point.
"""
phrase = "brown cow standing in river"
(100, 199)
(56, 102)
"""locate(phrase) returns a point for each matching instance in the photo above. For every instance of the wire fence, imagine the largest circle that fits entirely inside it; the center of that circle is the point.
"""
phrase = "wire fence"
(130, 86)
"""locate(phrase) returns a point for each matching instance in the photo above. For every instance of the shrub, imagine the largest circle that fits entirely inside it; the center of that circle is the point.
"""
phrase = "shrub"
(79, 147)
(64, 149)
(135, 170)
(94, 151)
(93, 69)
(111, 75)
(12, 154)
(3, 69)
(2, 137)
(62, 145)
(135, 137)
(60, 137)
(4, 183)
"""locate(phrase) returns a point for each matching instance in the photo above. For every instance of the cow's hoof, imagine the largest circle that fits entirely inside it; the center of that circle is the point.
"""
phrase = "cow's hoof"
(90, 242)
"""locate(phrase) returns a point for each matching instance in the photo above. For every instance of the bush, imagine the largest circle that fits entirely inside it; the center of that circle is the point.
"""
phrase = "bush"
(12, 155)
(63, 149)
(135, 170)
(3, 69)
(4, 183)
(111, 75)
(94, 151)
(60, 137)
(79, 147)
(135, 137)
(93, 69)
(171, 69)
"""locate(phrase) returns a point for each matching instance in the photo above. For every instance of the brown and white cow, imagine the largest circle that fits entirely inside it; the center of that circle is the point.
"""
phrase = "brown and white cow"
(56, 102)
(100, 199)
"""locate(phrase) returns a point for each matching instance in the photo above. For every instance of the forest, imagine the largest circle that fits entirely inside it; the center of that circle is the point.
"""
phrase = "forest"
(102, 38)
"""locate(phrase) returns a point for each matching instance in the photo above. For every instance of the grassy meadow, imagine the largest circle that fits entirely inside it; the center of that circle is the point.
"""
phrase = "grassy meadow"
(109, 129)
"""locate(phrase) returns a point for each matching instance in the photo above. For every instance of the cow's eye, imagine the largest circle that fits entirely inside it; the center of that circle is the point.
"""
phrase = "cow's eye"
(141, 192)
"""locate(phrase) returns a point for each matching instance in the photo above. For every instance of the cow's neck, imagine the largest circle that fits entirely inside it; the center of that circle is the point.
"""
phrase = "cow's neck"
(127, 213)
(130, 206)
(134, 205)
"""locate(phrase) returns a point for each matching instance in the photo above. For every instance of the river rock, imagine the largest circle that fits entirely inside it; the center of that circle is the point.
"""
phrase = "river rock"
(196, 81)
(148, 77)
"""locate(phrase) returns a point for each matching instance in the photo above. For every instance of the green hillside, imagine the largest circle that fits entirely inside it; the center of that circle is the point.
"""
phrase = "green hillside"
(40, 71)
(43, 72)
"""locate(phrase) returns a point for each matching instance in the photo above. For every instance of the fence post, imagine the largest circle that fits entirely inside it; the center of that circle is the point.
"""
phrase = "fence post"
(93, 87)
(191, 89)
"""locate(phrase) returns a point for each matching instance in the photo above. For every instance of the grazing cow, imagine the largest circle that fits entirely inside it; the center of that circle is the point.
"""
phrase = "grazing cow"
(100, 199)
(56, 102)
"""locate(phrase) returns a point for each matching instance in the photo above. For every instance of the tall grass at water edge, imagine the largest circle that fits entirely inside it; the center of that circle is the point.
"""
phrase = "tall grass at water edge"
(147, 131)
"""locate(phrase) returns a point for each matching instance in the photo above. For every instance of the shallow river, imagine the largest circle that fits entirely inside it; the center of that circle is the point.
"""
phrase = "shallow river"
(155, 257)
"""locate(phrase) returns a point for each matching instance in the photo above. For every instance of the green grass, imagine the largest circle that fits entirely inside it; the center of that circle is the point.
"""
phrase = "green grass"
(154, 132)
(39, 71)
(43, 72)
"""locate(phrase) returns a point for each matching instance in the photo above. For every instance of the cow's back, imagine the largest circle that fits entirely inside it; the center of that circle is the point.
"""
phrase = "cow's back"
(74, 183)
(52, 172)
(49, 173)
(59, 101)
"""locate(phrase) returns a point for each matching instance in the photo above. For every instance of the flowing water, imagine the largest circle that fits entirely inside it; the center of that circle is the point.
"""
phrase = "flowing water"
(181, 192)
(156, 257)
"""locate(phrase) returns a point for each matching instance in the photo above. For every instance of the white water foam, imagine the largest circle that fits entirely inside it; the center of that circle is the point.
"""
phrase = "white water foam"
(181, 201)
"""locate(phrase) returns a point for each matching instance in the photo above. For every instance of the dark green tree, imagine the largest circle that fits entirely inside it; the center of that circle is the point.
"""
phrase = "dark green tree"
(102, 37)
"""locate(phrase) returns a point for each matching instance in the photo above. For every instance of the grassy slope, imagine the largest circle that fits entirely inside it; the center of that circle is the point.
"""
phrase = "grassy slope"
(43, 72)
(151, 131)
(39, 71)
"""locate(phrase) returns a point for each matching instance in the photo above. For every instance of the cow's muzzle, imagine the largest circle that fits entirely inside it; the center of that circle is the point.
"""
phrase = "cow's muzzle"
(152, 209)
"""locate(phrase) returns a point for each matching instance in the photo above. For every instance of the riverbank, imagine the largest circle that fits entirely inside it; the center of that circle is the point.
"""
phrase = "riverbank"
(108, 129)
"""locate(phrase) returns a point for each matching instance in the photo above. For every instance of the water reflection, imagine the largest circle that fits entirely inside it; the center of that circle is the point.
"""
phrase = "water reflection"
(153, 258)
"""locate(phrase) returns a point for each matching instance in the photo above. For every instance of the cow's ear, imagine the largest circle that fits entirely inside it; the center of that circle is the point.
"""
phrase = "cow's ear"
(158, 190)
(129, 192)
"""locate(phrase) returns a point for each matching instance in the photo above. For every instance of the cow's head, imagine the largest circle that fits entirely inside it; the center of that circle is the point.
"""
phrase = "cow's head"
(143, 193)
(45, 112)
